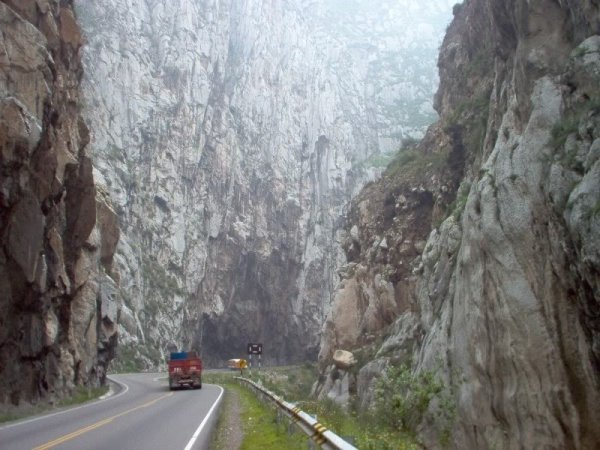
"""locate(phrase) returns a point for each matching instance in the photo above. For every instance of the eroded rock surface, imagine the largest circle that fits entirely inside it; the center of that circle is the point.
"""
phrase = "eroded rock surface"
(500, 298)
(231, 136)
(58, 300)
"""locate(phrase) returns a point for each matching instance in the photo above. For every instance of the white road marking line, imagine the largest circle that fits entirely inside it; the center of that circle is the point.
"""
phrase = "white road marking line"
(199, 429)
(35, 419)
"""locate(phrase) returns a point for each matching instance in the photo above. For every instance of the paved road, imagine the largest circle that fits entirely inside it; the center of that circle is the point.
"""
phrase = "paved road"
(143, 415)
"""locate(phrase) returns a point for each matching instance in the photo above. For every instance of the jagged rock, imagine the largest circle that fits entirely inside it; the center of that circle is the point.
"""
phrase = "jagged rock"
(354, 233)
(339, 391)
(232, 142)
(25, 234)
(50, 239)
(366, 379)
(403, 337)
(337, 385)
(504, 307)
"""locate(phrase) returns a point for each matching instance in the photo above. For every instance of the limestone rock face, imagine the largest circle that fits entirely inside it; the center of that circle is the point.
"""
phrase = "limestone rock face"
(57, 233)
(231, 135)
(501, 298)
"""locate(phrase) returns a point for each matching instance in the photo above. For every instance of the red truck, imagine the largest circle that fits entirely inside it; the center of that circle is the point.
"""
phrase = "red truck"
(185, 369)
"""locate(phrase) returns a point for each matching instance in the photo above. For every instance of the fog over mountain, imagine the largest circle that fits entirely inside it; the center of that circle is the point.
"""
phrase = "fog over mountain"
(406, 194)
(231, 136)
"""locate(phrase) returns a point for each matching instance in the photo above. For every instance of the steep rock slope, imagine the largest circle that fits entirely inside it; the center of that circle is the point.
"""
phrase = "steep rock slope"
(231, 135)
(58, 302)
(501, 299)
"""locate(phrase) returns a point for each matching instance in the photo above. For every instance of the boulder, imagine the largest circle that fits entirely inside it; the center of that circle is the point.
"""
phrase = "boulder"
(343, 359)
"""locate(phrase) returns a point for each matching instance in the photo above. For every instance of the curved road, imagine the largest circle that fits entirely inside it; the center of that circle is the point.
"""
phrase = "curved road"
(143, 415)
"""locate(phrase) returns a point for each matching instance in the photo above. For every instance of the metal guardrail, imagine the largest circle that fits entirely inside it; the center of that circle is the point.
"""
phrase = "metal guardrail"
(328, 440)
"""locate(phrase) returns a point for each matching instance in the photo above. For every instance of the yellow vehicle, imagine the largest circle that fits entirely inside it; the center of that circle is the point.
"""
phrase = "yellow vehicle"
(237, 364)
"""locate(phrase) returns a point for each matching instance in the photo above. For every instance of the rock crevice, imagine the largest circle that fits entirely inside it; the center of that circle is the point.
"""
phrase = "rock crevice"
(503, 298)
(231, 140)
(59, 300)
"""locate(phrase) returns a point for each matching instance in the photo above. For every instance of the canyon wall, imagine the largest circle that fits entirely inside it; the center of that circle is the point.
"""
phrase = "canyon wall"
(476, 257)
(231, 136)
(59, 300)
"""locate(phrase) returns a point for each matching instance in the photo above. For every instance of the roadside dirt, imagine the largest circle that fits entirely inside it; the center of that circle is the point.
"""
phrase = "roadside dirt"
(229, 432)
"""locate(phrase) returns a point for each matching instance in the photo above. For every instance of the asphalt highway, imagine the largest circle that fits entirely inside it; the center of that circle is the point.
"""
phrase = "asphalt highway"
(143, 414)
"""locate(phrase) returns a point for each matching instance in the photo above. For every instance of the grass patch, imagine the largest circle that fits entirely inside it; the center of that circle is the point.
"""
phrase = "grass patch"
(83, 394)
(259, 421)
(410, 163)
(260, 427)
(294, 383)
(364, 430)
(17, 415)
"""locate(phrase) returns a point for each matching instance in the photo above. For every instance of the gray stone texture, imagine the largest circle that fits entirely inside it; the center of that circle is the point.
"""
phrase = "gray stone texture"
(54, 332)
(504, 298)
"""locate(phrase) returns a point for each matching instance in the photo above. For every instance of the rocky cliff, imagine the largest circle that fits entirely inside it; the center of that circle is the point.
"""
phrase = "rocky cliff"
(476, 256)
(58, 233)
(231, 136)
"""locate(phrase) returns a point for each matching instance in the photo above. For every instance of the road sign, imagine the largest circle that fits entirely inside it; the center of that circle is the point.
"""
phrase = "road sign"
(255, 349)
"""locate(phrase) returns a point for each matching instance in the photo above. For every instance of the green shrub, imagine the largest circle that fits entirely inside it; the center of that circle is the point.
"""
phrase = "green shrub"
(159, 279)
(579, 52)
(378, 160)
(570, 121)
(402, 401)
(457, 207)
(363, 428)
(596, 210)
(563, 129)
(471, 113)
(411, 163)
(402, 398)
